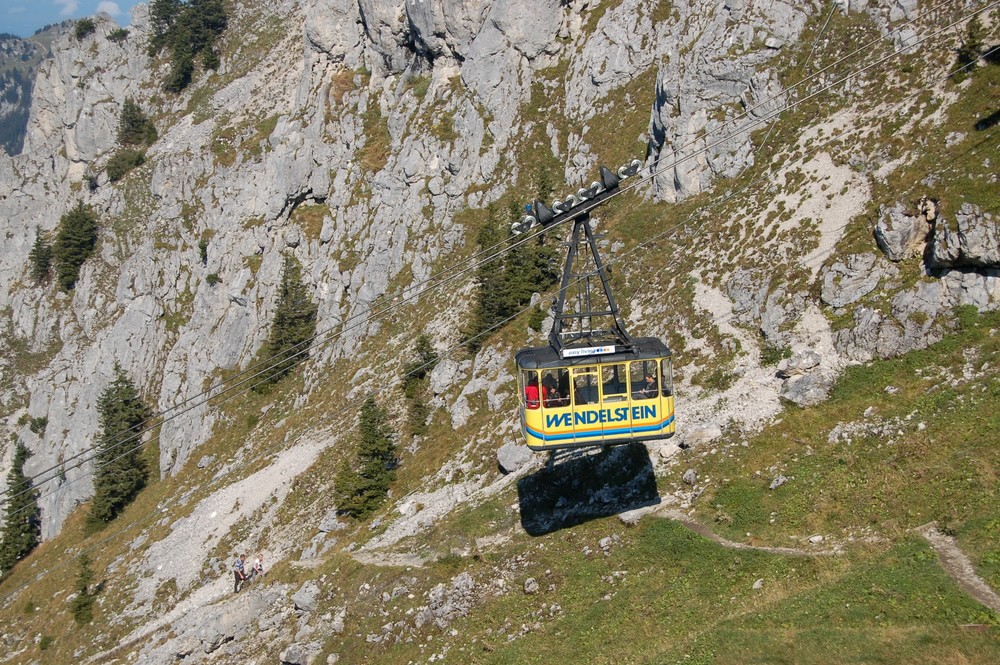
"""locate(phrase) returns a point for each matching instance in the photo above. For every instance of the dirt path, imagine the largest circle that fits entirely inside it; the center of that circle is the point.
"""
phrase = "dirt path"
(703, 530)
(958, 566)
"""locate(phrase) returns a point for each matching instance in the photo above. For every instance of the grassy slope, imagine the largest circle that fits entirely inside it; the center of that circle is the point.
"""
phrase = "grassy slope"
(666, 594)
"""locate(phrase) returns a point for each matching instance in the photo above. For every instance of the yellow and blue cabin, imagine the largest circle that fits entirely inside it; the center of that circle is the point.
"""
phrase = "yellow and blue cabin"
(607, 397)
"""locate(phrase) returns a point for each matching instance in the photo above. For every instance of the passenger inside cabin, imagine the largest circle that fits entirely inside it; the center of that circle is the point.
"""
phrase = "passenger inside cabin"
(649, 386)
(550, 392)
(531, 390)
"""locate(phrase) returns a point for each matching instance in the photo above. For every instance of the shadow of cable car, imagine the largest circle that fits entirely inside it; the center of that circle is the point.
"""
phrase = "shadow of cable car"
(989, 121)
(586, 487)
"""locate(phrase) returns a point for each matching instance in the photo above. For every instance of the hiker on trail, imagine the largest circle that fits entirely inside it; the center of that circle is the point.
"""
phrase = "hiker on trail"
(258, 566)
(239, 574)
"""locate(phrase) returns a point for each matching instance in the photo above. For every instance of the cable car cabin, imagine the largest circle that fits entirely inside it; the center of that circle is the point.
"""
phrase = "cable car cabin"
(596, 400)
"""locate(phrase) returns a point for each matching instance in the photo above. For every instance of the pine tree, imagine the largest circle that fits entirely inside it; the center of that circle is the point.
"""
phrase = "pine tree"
(120, 470)
(40, 257)
(83, 604)
(189, 30)
(134, 127)
(505, 285)
(490, 287)
(415, 371)
(362, 487)
(75, 242)
(162, 16)
(293, 328)
(22, 526)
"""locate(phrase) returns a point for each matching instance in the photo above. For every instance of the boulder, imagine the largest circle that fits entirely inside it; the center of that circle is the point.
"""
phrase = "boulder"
(330, 522)
(299, 654)
(697, 436)
(306, 598)
(513, 456)
(690, 477)
(848, 282)
(799, 364)
(808, 390)
(901, 235)
(971, 241)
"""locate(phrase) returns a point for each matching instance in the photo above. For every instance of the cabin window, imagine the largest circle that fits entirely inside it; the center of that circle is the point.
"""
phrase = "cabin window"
(613, 383)
(585, 386)
(530, 392)
(555, 388)
(643, 377)
(668, 378)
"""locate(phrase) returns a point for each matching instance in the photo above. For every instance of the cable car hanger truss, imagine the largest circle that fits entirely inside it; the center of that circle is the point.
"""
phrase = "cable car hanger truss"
(573, 333)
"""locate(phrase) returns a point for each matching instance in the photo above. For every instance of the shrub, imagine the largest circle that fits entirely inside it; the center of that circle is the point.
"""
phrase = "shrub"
(38, 425)
(212, 279)
(84, 27)
(118, 35)
(124, 161)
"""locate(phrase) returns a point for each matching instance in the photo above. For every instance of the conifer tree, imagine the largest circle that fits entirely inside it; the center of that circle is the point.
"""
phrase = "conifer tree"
(22, 526)
(361, 487)
(426, 360)
(82, 605)
(506, 284)
(415, 385)
(74, 244)
(134, 127)
(490, 287)
(120, 471)
(293, 328)
(40, 257)
(189, 30)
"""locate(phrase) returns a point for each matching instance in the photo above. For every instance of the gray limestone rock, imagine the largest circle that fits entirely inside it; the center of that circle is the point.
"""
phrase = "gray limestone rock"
(971, 241)
(331, 522)
(334, 28)
(299, 654)
(778, 482)
(901, 235)
(800, 363)
(807, 390)
(307, 597)
(690, 477)
(513, 456)
(447, 373)
(697, 436)
(849, 281)
(531, 586)
(448, 602)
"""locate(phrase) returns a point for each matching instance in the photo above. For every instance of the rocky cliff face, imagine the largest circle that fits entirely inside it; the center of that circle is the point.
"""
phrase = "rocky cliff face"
(350, 134)
(216, 173)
